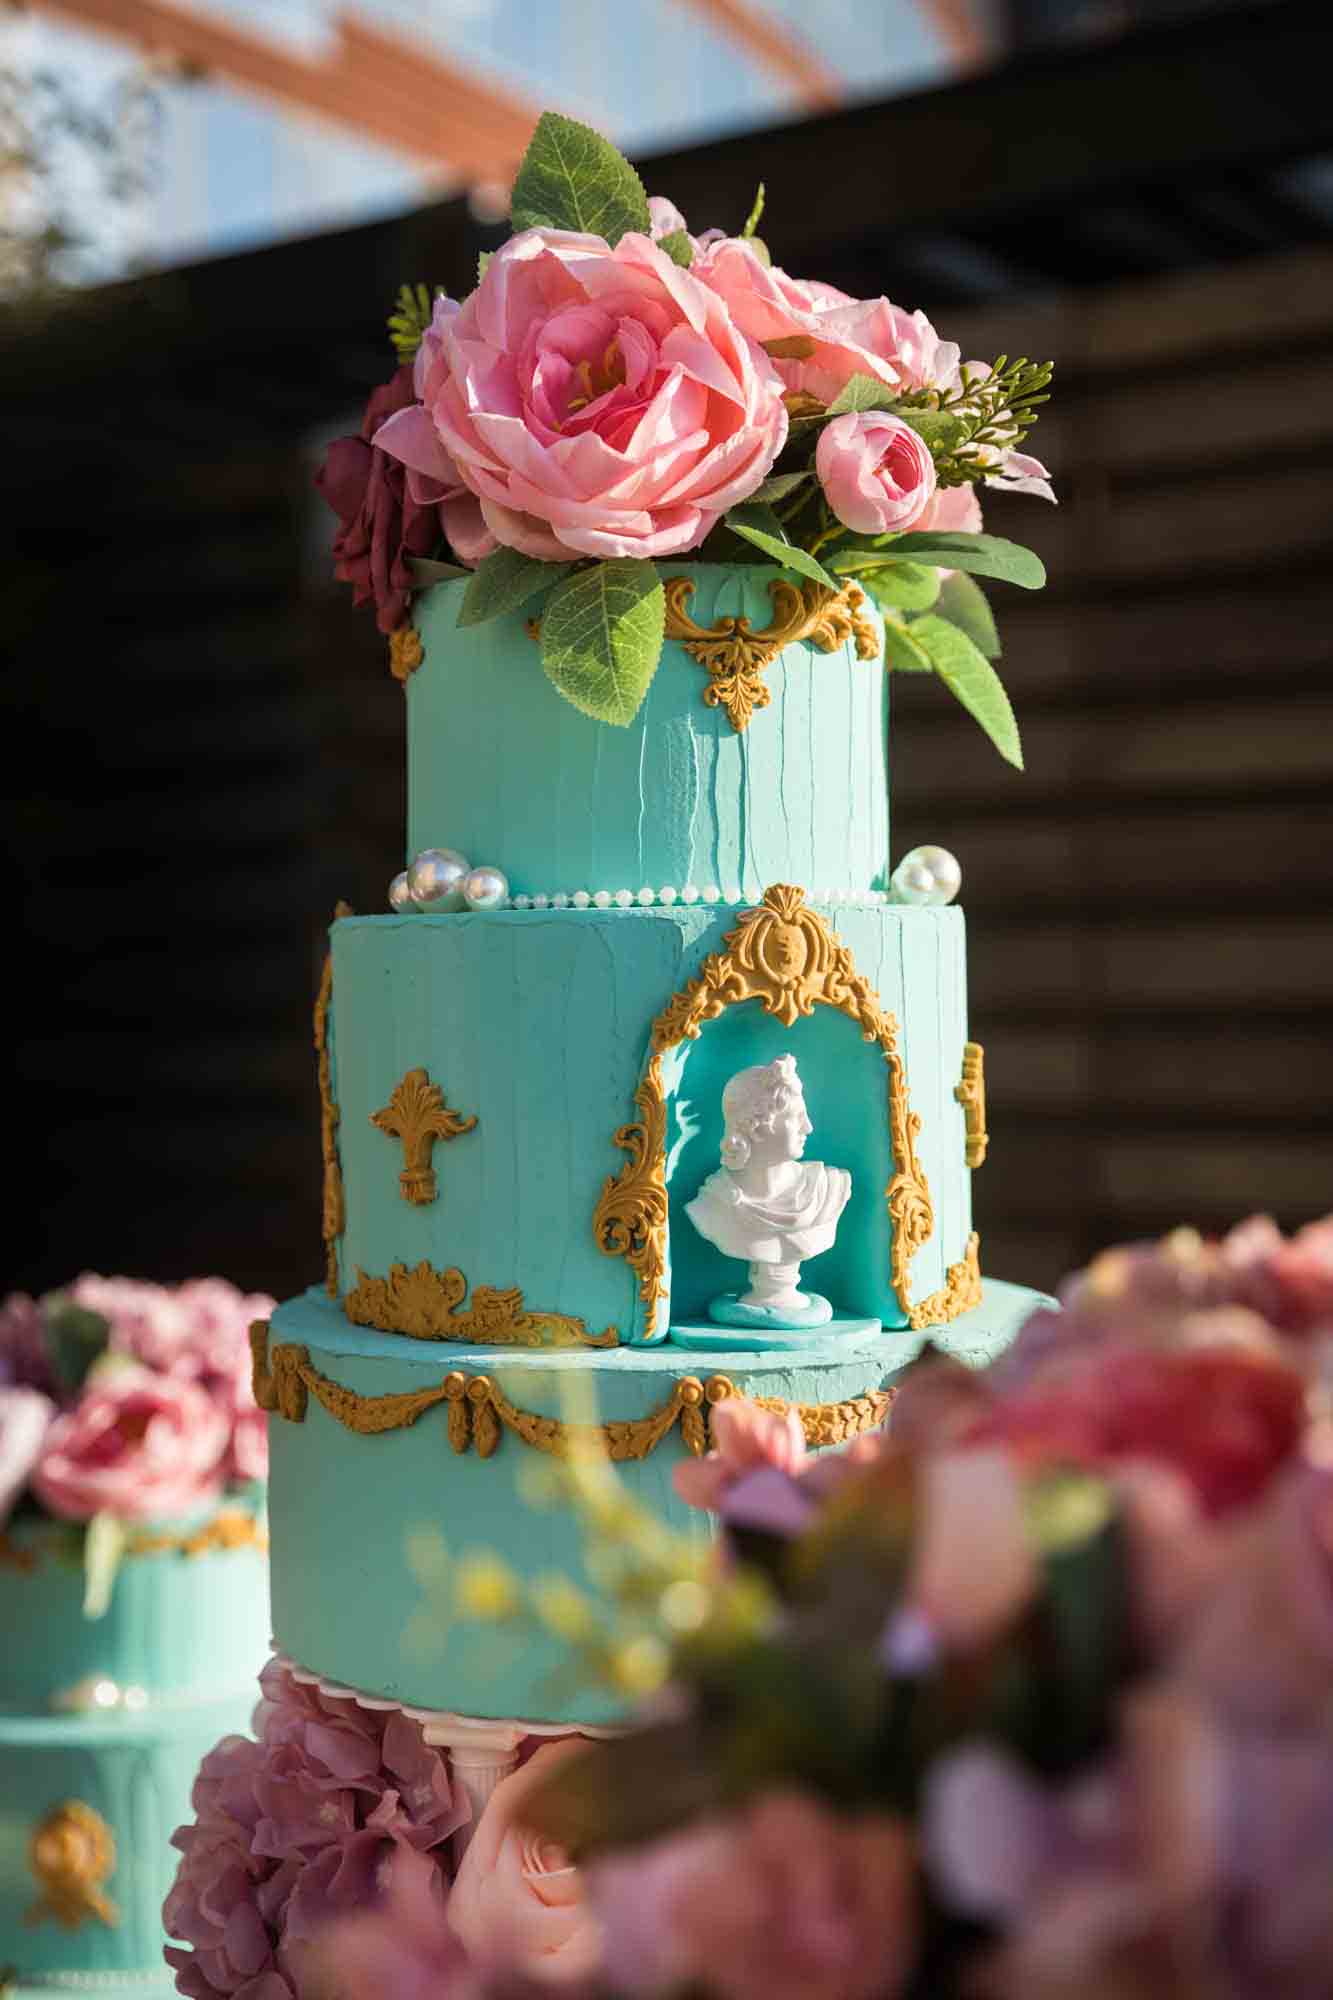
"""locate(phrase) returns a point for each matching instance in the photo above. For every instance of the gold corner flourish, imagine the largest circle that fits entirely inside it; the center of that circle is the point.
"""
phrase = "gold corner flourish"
(479, 1412)
(735, 657)
(406, 653)
(335, 1211)
(960, 1291)
(787, 957)
(417, 1114)
(71, 1854)
(970, 1092)
(427, 1304)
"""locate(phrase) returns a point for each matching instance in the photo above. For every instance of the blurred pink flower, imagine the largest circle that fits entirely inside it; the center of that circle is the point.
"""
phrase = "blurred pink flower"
(199, 1332)
(402, 1950)
(598, 402)
(517, 1900)
(1288, 1280)
(876, 471)
(785, 1899)
(25, 1418)
(25, 1362)
(137, 1445)
(745, 1437)
(973, 1568)
(334, 1809)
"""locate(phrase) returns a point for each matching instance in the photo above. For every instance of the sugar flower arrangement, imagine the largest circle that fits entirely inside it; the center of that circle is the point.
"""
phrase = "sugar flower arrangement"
(617, 391)
(124, 1403)
(1031, 1695)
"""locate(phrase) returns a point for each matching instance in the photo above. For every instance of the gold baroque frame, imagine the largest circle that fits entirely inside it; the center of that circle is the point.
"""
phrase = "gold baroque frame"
(790, 959)
(335, 1210)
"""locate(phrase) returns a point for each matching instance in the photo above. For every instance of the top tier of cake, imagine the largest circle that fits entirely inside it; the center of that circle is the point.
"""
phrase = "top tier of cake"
(503, 769)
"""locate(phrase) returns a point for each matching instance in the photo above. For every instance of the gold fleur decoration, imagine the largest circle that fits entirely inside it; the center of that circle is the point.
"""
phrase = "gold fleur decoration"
(71, 1854)
(418, 1115)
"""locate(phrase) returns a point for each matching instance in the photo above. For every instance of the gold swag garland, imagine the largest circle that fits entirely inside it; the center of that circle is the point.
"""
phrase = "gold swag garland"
(479, 1412)
(790, 959)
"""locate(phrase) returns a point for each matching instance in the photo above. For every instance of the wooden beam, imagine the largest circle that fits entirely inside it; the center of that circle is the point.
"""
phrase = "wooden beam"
(772, 44)
(956, 24)
(418, 106)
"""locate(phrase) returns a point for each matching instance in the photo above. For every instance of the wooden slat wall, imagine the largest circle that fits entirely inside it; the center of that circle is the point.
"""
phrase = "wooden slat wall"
(204, 751)
(1149, 905)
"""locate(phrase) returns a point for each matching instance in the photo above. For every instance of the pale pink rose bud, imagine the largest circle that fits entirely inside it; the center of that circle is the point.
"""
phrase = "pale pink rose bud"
(877, 474)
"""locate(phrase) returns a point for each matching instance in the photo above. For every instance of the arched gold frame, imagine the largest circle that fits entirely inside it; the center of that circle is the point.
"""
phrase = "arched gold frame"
(788, 958)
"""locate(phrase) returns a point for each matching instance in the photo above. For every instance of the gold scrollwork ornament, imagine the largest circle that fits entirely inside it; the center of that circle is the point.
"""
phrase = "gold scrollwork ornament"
(335, 1212)
(427, 1304)
(787, 957)
(71, 1854)
(735, 656)
(418, 1115)
(970, 1092)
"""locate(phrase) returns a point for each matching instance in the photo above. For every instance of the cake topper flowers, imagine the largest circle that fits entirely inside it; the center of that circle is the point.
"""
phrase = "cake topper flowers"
(617, 391)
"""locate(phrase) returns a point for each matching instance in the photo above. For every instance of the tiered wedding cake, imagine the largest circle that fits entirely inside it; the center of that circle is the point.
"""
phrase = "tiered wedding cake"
(697, 509)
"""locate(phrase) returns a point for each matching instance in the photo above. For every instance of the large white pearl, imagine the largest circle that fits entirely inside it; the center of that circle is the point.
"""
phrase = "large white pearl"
(400, 894)
(926, 876)
(436, 878)
(487, 889)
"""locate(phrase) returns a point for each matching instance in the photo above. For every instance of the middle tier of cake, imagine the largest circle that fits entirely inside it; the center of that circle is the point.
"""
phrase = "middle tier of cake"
(518, 1105)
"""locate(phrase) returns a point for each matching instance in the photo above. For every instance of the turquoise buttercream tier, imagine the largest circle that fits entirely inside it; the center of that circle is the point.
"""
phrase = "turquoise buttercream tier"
(538, 1026)
(503, 769)
(173, 1663)
(369, 1495)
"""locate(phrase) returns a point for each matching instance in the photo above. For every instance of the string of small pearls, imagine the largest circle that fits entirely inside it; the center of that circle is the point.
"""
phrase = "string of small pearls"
(442, 879)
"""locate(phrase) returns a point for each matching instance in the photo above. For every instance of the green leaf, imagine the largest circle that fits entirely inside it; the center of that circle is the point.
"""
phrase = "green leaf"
(425, 571)
(573, 178)
(902, 655)
(76, 1339)
(103, 1547)
(602, 634)
(906, 586)
(778, 485)
(754, 218)
(483, 259)
(983, 555)
(503, 581)
(965, 604)
(760, 525)
(678, 247)
(863, 392)
(969, 675)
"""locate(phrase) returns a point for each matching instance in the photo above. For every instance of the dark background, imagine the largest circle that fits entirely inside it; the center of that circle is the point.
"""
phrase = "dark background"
(204, 748)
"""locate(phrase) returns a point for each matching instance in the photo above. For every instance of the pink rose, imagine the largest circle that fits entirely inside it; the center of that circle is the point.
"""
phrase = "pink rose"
(135, 1444)
(954, 510)
(784, 1899)
(1289, 1280)
(517, 1899)
(598, 402)
(877, 473)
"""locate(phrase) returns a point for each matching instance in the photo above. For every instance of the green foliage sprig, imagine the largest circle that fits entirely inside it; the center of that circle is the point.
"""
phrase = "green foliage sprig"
(412, 313)
(990, 413)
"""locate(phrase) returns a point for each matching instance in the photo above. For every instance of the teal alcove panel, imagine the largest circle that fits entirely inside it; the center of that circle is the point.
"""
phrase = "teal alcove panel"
(843, 1076)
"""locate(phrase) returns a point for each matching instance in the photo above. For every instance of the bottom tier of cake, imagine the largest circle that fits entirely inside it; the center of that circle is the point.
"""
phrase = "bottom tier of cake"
(103, 1723)
(391, 1456)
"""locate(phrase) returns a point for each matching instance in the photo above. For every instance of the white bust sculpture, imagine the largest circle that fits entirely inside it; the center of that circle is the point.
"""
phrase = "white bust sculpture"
(767, 1205)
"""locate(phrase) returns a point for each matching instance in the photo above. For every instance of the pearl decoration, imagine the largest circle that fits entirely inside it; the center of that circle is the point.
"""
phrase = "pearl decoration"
(646, 897)
(400, 894)
(486, 888)
(522, 902)
(712, 894)
(624, 897)
(689, 894)
(602, 899)
(436, 878)
(927, 877)
(666, 896)
(580, 899)
(560, 900)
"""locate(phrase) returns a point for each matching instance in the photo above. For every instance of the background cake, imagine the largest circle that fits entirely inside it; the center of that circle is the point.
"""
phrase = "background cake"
(133, 1603)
